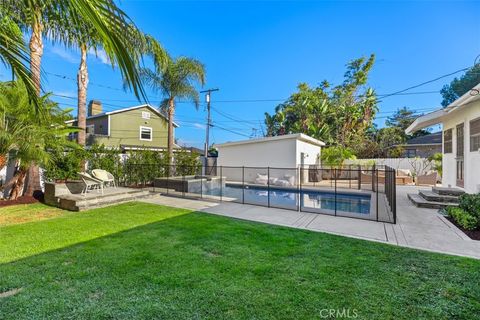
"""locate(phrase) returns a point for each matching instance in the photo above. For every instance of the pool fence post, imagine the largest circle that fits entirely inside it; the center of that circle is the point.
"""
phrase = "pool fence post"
(268, 185)
(201, 182)
(300, 168)
(221, 183)
(335, 177)
(376, 174)
(299, 196)
(168, 173)
(243, 184)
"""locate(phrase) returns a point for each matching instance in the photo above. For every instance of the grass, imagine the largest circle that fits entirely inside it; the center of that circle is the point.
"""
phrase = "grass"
(144, 261)
(23, 213)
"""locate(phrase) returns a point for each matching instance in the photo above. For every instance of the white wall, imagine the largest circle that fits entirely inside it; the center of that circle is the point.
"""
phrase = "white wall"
(415, 165)
(471, 158)
(283, 154)
(312, 153)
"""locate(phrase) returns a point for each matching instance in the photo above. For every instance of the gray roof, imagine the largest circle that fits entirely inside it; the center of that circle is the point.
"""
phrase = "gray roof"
(433, 138)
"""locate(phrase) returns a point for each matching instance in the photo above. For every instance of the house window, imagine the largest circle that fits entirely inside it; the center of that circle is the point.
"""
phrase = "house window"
(410, 153)
(475, 135)
(90, 129)
(146, 133)
(145, 115)
(447, 141)
(460, 140)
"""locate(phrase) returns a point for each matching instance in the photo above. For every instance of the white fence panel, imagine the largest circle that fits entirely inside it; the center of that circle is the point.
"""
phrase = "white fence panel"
(415, 165)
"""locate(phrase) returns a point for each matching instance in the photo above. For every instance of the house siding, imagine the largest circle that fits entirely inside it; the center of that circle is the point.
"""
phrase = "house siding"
(471, 158)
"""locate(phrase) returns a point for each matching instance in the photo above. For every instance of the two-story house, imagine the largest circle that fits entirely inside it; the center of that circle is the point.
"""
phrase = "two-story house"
(130, 128)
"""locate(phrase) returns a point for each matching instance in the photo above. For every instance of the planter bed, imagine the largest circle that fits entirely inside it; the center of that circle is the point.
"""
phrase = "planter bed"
(472, 234)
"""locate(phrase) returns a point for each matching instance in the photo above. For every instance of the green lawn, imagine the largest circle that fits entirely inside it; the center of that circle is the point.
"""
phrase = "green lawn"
(143, 261)
(27, 213)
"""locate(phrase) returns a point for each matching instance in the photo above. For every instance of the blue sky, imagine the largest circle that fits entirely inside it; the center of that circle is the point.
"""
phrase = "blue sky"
(262, 50)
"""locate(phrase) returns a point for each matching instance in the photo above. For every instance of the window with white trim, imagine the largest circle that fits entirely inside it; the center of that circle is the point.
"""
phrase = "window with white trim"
(90, 129)
(447, 141)
(145, 115)
(475, 135)
(146, 133)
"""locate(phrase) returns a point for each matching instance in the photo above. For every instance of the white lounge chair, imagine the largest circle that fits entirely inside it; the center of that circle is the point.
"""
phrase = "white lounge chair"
(90, 182)
(106, 177)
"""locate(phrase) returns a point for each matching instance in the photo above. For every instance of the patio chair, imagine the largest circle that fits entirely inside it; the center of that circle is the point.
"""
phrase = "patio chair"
(106, 177)
(90, 182)
(428, 179)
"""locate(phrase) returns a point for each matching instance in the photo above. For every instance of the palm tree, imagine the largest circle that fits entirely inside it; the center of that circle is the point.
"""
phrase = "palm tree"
(25, 133)
(85, 38)
(51, 17)
(13, 52)
(175, 81)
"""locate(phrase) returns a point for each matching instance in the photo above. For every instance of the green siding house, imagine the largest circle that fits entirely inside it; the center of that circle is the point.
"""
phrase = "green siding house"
(130, 128)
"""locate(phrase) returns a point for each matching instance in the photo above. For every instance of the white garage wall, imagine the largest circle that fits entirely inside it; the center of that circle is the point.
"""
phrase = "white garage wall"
(471, 158)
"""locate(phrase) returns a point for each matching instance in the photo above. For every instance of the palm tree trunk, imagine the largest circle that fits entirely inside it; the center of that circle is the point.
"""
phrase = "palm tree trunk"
(3, 161)
(171, 112)
(18, 182)
(82, 83)
(36, 52)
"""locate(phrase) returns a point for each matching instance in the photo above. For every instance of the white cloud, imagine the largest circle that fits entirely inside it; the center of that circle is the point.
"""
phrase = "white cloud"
(65, 55)
(100, 54)
(199, 126)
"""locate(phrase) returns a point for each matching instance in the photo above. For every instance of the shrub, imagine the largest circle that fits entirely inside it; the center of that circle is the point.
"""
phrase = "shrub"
(109, 159)
(471, 204)
(63, 164)
(463, 218)
(187, 163)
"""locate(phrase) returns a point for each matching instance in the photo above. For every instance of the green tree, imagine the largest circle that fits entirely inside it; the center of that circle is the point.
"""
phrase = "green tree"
(402, 119)
(175, 81)
(27, 133)
(335, 156)
(459, 86)
(337, 115)
(112, 28)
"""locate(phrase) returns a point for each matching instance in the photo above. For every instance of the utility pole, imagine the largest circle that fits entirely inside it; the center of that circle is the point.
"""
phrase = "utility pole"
(209, 118)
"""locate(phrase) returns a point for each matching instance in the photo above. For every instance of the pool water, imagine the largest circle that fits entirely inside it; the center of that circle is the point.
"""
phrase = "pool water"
(320, 201)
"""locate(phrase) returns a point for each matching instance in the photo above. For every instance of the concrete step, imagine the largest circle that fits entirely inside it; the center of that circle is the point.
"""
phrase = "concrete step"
(80, 203)
(448, 191)
(432, 196)
(421, 202)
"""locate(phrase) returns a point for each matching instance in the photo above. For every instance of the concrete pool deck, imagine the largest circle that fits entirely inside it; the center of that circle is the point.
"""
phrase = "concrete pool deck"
(416, 228)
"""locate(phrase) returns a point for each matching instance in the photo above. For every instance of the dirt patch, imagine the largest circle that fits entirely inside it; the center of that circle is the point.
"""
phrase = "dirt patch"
(10, 293)
(20, 200)
(472, 234)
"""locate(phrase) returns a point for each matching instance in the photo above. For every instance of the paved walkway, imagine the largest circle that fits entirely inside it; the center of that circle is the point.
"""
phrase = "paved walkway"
(416, 227)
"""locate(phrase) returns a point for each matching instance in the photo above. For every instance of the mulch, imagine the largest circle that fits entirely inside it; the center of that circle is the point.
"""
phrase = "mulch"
(20, 200)
(472, 234)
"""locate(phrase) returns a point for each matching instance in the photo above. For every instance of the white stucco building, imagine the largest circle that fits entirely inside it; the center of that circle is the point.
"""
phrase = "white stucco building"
(287, 151)
(461, 140)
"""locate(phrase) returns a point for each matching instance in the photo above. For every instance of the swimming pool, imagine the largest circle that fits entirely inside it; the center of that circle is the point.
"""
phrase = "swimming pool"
(314, 201)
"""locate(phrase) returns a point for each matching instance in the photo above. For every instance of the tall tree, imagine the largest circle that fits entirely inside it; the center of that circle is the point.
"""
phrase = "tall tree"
(175, 81)
(459, 86)
(51, 17)
(335, 115)
(402, 119)
(25, 131)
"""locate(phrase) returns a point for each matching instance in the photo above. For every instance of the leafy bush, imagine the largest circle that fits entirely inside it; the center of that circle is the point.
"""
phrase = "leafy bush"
(187, 163)
(109, 159)
(336, 156)
(63, 165)
(463, 218)
(471, 204)
(436, 160)
(143, 166)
